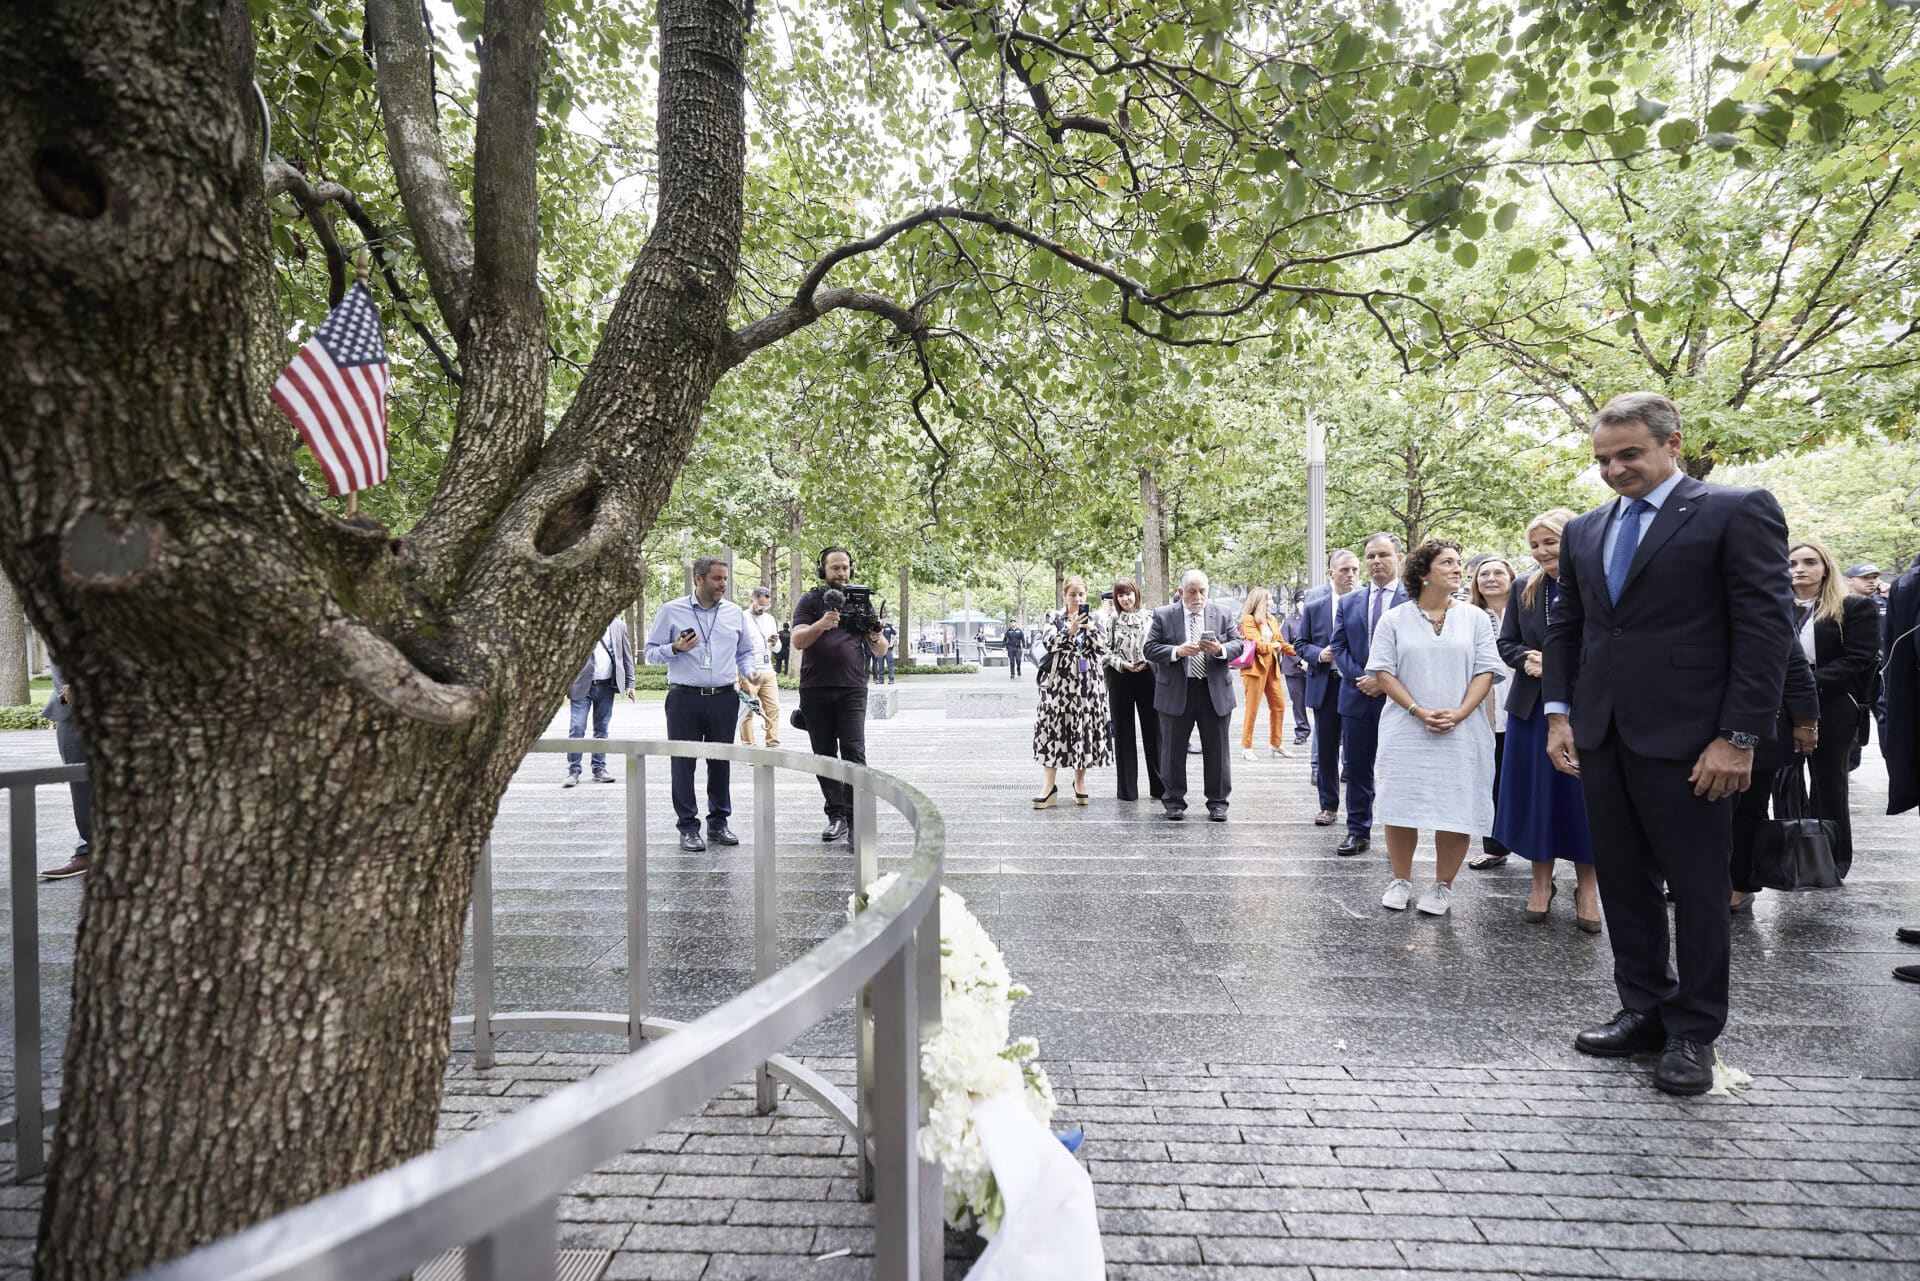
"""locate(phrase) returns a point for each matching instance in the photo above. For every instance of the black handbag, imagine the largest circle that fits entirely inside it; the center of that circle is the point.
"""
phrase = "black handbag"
(1795, 850)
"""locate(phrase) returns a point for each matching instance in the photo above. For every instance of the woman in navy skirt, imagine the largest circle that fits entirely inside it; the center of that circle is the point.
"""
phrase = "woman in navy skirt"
(1541, 815)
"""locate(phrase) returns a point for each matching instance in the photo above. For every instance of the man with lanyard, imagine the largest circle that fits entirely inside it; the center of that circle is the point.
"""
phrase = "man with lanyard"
(833, 684)
(707, 645)
(608, 672)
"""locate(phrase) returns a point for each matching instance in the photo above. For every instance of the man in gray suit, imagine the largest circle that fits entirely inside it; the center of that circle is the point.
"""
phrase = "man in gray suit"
(607, 672)
(1190, 644)
(66, 736)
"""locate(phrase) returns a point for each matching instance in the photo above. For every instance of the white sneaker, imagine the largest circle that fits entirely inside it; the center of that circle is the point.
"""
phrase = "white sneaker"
(1281, 751)
(1399, 894)
(1436, 900)
(1249, 755)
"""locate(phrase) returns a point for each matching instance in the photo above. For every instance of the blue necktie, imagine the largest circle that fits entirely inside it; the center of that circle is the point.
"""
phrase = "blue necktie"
(1624, 547)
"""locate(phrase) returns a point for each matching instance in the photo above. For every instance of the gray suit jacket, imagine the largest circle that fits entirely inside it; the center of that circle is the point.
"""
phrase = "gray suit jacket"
(56, 709)
(622, 664)
(1168, 630)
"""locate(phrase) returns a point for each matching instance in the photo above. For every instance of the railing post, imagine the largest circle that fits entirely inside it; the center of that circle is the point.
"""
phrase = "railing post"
(521, 1249)
(866, 872)
(29, 1119)
(766, 912)
(896, 1113)
(483, 957)
(930, 1222)
(639, 990)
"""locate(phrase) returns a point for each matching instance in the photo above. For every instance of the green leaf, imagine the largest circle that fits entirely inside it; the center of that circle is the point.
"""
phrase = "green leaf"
(1722, 141)
(1723, 63)
(1474, 225)
(1503, 216)
(1466, 253)
(1349, 53)
(1604, 88)
(1522, 261)
(1725, 116)
(1624, 325)
(1194, 235)
(1648, 109)
(1677, 133)
(1480, 66)
(1442, 117)
(1599, 120)
(1814, 65)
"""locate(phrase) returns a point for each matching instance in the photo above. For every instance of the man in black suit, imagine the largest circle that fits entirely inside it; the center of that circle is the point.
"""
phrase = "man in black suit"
(1662, 669)
(1323, 679)
(1190, 644)
(1016, 643)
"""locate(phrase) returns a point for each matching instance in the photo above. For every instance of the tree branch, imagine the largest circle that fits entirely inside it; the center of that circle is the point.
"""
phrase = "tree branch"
(506, 198)
(403, 65)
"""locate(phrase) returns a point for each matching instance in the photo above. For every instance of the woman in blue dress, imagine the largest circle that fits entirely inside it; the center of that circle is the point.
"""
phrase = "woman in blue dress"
(1541, 815)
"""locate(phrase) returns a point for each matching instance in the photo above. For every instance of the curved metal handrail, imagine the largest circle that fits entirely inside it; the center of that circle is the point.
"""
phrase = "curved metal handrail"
(496, 1191)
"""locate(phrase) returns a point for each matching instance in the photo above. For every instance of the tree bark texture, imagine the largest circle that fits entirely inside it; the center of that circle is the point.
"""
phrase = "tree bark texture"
(1155, 590)
(291, 788)
(13, 646)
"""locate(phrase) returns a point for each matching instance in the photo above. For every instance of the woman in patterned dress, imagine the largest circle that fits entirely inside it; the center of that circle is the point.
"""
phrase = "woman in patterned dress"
(1073, 729)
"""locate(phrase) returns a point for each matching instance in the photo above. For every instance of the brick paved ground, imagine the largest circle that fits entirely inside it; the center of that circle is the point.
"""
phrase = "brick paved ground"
(1231, 1019)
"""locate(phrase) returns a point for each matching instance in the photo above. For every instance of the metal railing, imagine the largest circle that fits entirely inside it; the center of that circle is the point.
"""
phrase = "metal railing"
(496, 1192)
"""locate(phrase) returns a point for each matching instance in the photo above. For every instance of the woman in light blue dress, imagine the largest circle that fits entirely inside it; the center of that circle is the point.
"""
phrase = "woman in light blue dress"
(1437, 661)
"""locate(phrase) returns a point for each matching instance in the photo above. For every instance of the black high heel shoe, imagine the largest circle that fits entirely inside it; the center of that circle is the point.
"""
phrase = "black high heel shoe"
(1079, 797)
(1048, 801)
(1534, 917)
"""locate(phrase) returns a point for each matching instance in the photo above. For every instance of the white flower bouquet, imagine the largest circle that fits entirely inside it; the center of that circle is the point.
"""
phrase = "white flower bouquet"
(972, 1057)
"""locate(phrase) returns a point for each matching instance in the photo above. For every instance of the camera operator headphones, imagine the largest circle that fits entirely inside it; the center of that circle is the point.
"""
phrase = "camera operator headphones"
(821, 566)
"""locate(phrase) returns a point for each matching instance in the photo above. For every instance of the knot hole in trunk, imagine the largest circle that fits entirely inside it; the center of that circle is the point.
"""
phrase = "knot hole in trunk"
(569, 520)
(70, 182)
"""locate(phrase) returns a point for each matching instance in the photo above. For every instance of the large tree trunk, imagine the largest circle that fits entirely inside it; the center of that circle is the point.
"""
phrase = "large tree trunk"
(904, 622)
(290, 794)
(13, 646)
(1155, 590)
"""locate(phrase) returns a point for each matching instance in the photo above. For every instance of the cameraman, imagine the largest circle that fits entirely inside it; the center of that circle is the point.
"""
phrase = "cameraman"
(833, 681)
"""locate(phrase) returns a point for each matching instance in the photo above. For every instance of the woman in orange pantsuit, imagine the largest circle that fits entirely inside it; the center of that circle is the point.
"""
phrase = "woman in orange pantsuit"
(1262, 678)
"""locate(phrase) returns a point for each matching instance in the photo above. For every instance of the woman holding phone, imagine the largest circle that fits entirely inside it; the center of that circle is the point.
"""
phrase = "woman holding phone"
(1073, 729)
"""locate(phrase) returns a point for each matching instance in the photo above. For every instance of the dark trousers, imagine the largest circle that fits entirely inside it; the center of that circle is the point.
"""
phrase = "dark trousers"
(1362, 740)
(693, 717)
(599, 701)
(1327, 733)
(836, 718)
(1175, 730)
(73, 751)
(1748, 815)
(1487, 844)
(1827, 774)
(1130, 698)
(1013, 662)
(780, 661)
(1649, 827)
(1297, 696)
(881, 666)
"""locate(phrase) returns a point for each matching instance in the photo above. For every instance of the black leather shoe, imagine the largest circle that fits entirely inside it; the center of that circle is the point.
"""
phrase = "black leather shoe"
(1685, 1067)
(837, 830)
(1908, 933)
(1216, 813)
(1175, 816)
(691, 842)
(722, 835)
(1630, 1032)
(1352, 845)
(1907, 973)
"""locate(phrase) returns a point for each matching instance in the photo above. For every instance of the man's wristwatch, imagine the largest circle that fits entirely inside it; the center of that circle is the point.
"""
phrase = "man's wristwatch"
(1741, 742)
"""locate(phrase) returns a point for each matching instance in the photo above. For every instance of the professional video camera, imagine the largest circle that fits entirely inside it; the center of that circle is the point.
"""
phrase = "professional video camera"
(855, 605)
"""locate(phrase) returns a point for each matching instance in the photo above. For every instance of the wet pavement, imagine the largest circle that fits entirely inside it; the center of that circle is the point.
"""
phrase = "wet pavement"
(1258, 1051)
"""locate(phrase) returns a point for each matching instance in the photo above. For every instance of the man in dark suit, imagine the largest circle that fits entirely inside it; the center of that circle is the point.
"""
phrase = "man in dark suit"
(1361, 696)
(1661, 671)
(1323, 679)
(1016, 643)
(73, 751)
(1190, 644)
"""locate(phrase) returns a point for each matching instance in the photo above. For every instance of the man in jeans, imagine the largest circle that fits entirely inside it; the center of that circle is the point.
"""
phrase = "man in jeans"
(765, 634)
(833, 684)
(73, 751)
(608, 672)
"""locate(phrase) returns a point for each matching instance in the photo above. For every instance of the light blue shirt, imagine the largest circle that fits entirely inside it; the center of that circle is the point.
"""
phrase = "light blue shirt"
(1655, 498)
(724, 652)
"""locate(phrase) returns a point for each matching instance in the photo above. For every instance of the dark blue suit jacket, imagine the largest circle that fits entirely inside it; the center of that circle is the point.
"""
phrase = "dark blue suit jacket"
(1351, 643)
(1694, 645)
(1316, 633)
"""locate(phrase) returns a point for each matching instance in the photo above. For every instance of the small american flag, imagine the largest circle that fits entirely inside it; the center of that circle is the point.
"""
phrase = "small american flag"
(336, 393)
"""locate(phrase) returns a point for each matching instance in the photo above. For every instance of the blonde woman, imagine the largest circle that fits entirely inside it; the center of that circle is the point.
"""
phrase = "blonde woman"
(1541, 815)
(1839, 633)
(1073, 729)
(1261, 679)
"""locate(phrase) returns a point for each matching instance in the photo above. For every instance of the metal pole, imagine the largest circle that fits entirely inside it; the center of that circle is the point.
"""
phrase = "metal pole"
(639, 993)
(483, 957)
(929, 1223)
(766, 913)
(1316, 501)
(518, 1250)
(866, 872)
(29, 1118)
(896, 1089)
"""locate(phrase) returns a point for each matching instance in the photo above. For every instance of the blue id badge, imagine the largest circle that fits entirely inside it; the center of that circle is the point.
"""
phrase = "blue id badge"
(1080, 664)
